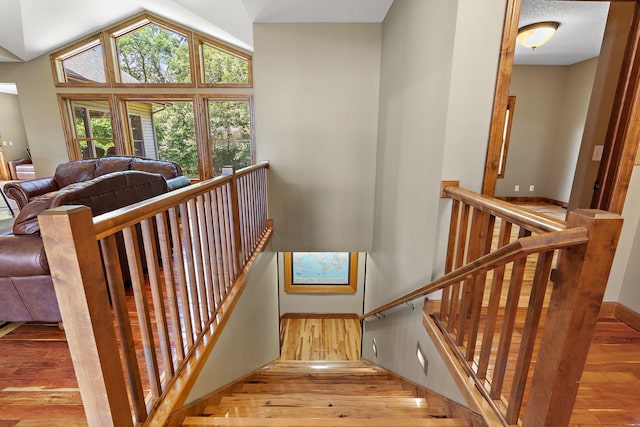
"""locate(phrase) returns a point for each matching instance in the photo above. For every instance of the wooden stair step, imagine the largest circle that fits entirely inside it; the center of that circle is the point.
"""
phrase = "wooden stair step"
(326, 422)
(322, 412)
(311, 399)
(321, 378)
(348, 389)
(294, 367)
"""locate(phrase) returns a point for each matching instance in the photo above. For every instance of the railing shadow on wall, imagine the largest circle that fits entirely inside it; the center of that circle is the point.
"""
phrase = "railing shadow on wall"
(518, 351)
(188, 253)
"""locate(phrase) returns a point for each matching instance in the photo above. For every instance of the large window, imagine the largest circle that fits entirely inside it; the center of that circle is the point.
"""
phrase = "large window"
(202, 128)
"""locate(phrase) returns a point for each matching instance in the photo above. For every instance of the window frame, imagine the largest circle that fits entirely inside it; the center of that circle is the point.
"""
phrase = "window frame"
(200, 41)
(204, 100)
(117, 95)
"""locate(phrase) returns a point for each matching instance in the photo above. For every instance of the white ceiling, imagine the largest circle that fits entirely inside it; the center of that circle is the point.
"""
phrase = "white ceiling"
(31, 28)
(579, 35)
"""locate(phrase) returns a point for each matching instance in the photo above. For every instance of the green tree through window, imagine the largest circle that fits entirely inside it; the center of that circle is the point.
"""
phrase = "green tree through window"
(153, 54)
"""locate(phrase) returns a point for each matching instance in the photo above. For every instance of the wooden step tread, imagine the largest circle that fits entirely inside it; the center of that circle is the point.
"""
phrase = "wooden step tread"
(323, 412)
(328, 422)
(325, 377)
(345, 389)
(311, 399)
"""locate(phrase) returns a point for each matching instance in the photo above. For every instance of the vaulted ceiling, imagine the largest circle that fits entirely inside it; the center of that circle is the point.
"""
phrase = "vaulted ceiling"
(30, 28)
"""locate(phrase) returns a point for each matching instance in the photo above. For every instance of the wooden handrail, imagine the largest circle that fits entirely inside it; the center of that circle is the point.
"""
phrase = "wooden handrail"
(522, 217)
(519, 249)
(475, 329)
(186, 255)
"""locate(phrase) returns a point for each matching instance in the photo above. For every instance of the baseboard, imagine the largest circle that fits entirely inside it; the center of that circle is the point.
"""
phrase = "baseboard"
(319, 316)
(533, 199)
(628, 316)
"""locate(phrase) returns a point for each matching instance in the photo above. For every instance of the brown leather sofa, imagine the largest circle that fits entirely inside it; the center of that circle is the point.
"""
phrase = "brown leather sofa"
(26, 288)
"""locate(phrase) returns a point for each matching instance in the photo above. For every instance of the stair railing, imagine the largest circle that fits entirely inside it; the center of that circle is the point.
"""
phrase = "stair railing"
(187, 255)
(526, 368)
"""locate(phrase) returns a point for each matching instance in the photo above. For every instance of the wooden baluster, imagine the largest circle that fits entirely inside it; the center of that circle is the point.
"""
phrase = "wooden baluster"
(170, 287)
(164, 242)
(234, 206)
(460, 253)
(74, 260)
(510, 312)
(181, 275)
(196, 244)
(474, 250)
(153, 272)
(218, 245)
(494, 305)
(534, 311)
(223, 239)
(579, 284)
(206, 287)
(449, 261)
(211, 250)
(479, 286)
(142, 308)
(123, 323)
(192, 306)
(230, 257)
(242, 205)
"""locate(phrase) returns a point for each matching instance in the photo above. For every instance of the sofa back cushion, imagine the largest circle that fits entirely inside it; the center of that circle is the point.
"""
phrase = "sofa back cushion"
(72, 172)
(167, 169)
(102, 194)
(105, 165)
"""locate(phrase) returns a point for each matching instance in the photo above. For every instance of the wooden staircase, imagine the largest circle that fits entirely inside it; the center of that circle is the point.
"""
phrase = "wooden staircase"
(322, 393)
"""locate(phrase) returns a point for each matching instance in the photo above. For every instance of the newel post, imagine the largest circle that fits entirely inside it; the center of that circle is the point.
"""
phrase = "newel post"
(579, 284)
(235, 212)
(78, 278)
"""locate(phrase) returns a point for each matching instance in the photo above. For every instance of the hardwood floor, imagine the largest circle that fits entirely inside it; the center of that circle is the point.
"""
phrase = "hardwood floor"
(320, 338)
(38, 386)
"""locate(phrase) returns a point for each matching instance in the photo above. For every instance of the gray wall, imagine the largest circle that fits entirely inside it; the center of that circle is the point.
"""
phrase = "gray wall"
(251, 337)
(433, 125)
(546, 132)
(12, 127)
(316, 105)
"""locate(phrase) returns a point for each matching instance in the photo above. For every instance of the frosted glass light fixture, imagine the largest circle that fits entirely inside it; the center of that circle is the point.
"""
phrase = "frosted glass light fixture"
(535, 35)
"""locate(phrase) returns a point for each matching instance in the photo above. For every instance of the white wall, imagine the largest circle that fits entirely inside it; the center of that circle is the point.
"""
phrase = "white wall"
(433, 125)
(316, 106)
(322, 303)
(251, 337)
(12, 127)
(546, 132)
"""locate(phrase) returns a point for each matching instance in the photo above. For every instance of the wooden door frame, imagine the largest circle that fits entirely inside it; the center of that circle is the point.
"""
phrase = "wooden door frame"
(621, 143)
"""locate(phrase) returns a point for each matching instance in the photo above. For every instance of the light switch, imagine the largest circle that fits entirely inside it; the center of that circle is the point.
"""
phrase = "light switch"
(597, 153)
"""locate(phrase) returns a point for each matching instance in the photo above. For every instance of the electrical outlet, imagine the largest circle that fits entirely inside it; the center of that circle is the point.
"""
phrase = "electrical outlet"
(532, 187)
(597, 153)
(517, 188)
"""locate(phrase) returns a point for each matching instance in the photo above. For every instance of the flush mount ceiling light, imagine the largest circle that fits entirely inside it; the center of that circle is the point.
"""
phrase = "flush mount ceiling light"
(535, 35)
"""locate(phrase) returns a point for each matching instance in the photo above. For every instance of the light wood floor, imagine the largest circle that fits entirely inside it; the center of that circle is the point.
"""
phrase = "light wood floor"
(320, 338)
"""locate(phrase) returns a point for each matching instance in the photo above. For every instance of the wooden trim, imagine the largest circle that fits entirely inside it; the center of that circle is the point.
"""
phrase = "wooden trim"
(622, 313)
(350, 288)
(445, 184)
(288, 316)
(501, 98)
(621, 143)
(533, 199)
(502, 160)
(198, 406)
(466, 384)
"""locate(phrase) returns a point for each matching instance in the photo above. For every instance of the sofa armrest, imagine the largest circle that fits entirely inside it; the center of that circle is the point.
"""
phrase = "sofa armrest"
(25, 191)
